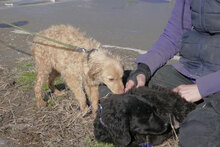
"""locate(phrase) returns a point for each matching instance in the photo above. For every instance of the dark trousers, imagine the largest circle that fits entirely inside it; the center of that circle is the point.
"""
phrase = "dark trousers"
(201, 128)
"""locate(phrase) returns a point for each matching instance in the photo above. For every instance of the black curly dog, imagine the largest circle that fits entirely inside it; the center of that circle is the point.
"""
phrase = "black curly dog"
(139, 116)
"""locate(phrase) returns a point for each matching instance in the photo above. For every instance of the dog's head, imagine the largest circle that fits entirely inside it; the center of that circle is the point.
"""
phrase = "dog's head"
(107, 69)
(123, 117)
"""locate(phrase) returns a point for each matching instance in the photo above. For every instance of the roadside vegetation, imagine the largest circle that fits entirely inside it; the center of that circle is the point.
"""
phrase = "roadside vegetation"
(58, 124)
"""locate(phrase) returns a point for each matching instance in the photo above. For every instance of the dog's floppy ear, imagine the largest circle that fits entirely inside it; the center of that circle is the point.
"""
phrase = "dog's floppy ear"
(182, 108)
(118, 128)
(94, 70)
(145, 119)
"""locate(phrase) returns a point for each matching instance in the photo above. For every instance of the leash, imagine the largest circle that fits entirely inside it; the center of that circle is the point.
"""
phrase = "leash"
(52, 40)
(41, 36)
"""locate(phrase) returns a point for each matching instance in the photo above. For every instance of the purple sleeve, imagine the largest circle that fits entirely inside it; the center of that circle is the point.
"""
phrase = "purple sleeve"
(168, 43)
(209, 84)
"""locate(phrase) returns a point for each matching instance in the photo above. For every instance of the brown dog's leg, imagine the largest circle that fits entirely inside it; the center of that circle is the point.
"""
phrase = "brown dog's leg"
(42, 75)
(76, 87)
(87, 88)
(94, 98)
(52, 77)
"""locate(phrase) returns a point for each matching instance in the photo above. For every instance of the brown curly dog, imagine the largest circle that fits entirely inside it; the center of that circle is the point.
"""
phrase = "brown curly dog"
(80, 70)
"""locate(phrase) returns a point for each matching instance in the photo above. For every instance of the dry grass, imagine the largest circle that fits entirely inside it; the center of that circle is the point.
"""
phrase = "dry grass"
(59, 124)
(22, 123)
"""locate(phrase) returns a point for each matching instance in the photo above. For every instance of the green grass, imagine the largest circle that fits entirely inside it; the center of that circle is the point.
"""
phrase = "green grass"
(26, 77)
(25, 80)
(93, 143)
(27, 65)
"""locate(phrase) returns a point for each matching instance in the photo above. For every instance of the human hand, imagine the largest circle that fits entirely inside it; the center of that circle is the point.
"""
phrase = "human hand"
(138, 77)
(141, 81)
(189, 92)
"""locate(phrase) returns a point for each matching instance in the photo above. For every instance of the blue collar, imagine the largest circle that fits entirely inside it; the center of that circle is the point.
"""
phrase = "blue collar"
(100, 116)
(145, 144)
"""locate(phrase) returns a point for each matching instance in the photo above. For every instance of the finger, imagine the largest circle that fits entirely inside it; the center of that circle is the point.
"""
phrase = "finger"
(184, 96)
(140, 84)
(140, 80)
(129, 85)
(177, 89)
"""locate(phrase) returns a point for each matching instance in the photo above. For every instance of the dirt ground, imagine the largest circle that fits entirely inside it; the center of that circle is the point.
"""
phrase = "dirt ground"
(21, 123)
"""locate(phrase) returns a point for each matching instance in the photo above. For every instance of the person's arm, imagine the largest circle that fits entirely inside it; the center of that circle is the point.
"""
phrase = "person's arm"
(168, 43)
(209, 84)
(165, 47)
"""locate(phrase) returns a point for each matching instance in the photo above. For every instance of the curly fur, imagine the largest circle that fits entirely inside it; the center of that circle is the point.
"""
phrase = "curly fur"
(141, 113)
(53, 60)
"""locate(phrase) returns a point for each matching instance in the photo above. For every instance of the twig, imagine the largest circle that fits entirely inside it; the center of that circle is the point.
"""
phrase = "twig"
(12, 111)
(172, 126)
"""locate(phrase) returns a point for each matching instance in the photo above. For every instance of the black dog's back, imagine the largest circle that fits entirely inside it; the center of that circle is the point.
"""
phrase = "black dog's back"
(166, 101)
(128, 118)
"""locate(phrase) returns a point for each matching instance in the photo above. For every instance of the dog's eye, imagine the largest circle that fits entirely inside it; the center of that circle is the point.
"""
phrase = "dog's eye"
(111, 79)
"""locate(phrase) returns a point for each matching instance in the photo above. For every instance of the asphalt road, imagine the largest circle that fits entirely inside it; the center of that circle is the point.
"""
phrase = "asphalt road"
(129, 24)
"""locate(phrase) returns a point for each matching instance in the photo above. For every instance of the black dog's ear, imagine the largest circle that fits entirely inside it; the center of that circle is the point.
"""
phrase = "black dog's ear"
(151, 124)
(182, 108)
(146, 119)
(118, 128)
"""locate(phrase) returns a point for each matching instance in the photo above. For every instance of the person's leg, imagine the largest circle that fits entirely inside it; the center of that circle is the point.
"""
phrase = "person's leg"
(201, 128)
(168, 77)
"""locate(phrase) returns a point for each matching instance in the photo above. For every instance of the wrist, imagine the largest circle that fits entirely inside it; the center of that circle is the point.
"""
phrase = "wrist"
(144, 69)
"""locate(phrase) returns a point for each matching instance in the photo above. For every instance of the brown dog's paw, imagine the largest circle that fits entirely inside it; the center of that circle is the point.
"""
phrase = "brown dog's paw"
(86, 112)
(94, 111)
(41, 104)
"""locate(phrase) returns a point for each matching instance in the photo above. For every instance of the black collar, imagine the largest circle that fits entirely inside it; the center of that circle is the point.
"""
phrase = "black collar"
(86, 51)
(89, 53)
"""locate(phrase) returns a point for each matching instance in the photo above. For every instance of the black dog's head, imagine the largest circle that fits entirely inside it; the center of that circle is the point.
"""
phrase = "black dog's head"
(126, 119)
(122, 117)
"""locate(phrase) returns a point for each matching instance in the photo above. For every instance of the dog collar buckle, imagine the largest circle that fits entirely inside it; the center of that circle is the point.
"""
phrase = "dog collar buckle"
(82, 49)
(86, 51)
